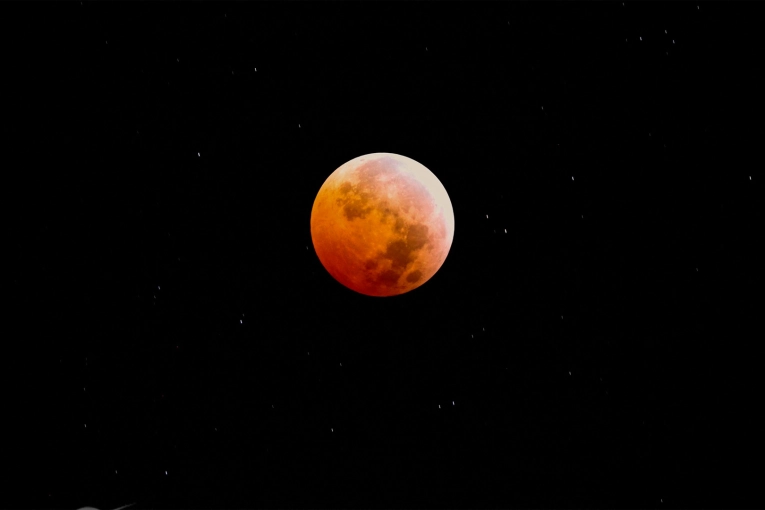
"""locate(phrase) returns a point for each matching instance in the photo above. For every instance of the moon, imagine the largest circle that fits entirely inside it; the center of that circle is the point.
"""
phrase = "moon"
(382, 224)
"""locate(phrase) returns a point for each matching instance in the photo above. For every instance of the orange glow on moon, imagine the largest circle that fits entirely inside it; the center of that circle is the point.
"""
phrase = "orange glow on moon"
(382, 224)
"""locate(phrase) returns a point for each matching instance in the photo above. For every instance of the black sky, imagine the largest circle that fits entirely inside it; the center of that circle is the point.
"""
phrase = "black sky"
(591, 340)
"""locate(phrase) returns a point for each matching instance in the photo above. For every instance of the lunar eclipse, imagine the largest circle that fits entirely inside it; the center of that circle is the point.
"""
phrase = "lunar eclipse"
(382, 224)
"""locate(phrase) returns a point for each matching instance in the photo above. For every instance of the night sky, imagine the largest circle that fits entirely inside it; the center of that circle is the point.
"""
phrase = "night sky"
(591, 341)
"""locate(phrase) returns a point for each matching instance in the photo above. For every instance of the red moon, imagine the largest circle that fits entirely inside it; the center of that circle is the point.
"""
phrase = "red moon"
(382, 224)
